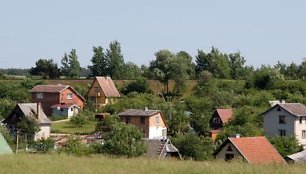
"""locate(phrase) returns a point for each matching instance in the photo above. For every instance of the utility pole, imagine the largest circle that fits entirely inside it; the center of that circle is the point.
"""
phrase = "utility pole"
(17, 140)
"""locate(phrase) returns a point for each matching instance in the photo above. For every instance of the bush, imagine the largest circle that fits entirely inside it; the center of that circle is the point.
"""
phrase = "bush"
(43, 145)
(285, 145)
(74, 146)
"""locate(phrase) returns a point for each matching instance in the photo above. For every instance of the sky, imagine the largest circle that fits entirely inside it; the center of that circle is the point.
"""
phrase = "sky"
(263, 31)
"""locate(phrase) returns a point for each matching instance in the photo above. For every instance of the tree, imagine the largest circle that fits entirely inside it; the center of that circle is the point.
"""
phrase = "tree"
(65, 69)
(46, 68)
(100, 62)
(116, 60)
(125, 140)
(141, 85)
(74, 65)
(192, 146)
(27, 127)
(236, 62)
(131, 71)
(285, 145)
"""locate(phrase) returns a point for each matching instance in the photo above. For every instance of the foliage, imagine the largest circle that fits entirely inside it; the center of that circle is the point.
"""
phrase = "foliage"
(194, 147)
(125, 140)
(43, 145)
(9, 139)
(285, 145)
(46, 68)
(82, 118)
(71, 65)
(27, 126)
(141, 85)
(74, 146)
(106, 125)
(116, 60)
(100, 63)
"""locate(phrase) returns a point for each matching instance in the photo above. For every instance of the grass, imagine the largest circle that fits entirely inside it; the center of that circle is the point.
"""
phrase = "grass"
(67, 128)
(63, 164)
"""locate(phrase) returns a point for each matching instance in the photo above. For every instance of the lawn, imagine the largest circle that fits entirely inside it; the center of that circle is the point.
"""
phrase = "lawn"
(63, 164)
(67, 128)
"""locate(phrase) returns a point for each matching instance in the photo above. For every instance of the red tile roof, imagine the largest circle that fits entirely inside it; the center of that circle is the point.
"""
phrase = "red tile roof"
(257, 150)
(108, 86)
(224, 114)
(49, 88)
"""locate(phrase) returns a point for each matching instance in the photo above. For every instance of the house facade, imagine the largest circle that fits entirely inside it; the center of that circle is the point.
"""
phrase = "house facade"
(30, 111)
(151, 122)
(219, 118)
(253, 150)
(103, 91)
(50, 95)
(65, 110)
(286, 119)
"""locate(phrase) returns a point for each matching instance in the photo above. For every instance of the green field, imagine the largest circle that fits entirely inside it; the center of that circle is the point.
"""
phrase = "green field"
(64, 164)
(67, 128)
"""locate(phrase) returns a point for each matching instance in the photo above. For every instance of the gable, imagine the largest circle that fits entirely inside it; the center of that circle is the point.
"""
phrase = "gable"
(95, 89)
(106, 85)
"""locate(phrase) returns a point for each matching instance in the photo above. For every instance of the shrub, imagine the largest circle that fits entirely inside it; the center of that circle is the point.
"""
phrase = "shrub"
(43, 145)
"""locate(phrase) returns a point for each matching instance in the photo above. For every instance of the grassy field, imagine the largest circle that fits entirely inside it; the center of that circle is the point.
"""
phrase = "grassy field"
(64, 164)
(67, 128)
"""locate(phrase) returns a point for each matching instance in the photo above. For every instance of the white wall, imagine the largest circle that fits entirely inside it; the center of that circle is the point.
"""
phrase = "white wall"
(43, 133)
(299, 127)
(223, 151)
(156, 132)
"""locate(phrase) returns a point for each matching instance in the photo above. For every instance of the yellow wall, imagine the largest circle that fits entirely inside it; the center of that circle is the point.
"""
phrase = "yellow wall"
(96, 88)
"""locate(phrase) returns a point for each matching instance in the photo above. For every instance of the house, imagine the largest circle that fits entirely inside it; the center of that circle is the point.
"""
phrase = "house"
(286, 119)
(66, 110)
(162, 148)
(50, 95)
(102, 91)
(253, 150)
(31, 111)
(297, 158)
(4, 147)
(151, 122)
(219, 118)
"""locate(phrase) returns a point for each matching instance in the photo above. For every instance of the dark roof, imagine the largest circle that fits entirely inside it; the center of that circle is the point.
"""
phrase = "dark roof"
(49, 88)
(296, 109)
(160, 148)
(30, 110)
(53, 89)
(108, 86)
(139, 112)
(225, 114)
(299, 157)
(255, 150)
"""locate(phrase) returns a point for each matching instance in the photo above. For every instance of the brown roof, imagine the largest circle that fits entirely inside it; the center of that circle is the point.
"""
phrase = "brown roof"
(224, 114)
(296, 109)
(108, 86)
(257, 150)
(49, 88)
(139, 112)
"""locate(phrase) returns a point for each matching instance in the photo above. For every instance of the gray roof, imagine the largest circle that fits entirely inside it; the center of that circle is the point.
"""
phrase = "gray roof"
(299, 157)
(30, 110)
(296, 109)
(160, 147)
(139, 112)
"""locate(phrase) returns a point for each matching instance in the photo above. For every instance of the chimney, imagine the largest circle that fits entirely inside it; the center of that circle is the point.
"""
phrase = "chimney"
(146, 109)
(237, 136)
(38, 110)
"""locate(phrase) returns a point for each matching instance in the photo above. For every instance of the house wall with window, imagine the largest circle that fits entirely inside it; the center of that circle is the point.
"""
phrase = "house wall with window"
(229, 152)
(279, 122)
(300, 130)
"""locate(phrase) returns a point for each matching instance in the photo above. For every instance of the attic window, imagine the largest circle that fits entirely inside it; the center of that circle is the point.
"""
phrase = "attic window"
(40, 95)
(278, 109)
(229, 148)
(216, 120)
(69, 96)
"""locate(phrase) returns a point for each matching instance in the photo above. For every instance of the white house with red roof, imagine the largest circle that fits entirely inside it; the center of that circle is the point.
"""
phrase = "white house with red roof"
(286, 119)
(219, 118)
(253, 150)
(103, 91)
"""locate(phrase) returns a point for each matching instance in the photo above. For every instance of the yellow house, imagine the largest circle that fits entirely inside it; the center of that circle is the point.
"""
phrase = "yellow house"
(102, 91)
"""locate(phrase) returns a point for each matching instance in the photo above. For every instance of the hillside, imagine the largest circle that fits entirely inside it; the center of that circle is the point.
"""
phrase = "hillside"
(63, 164)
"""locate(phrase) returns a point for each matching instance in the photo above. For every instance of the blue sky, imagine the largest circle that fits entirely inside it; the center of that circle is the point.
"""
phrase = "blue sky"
(263, 31)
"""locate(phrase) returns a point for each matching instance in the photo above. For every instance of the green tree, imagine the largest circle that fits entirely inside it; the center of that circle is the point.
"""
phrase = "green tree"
(125, 140)
(100, 62)
(141, 85)
(131, 71)
(74, 64)
(192, 146)
(285, 145)
(45, 68)
(65, 69)
(236, 62)
(116, 60)
(27, 127)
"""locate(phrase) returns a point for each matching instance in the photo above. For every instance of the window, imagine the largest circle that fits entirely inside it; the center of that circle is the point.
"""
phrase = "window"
(278, 109)
(216, 120)
(301, 120)
(142, 120)
(69, 96)
(71, 109)
(282, 119)
(40, 95)
(282, 133)
(229, 148)
(303, 134)
(157, 119)
(127, 119)
(229, 157)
